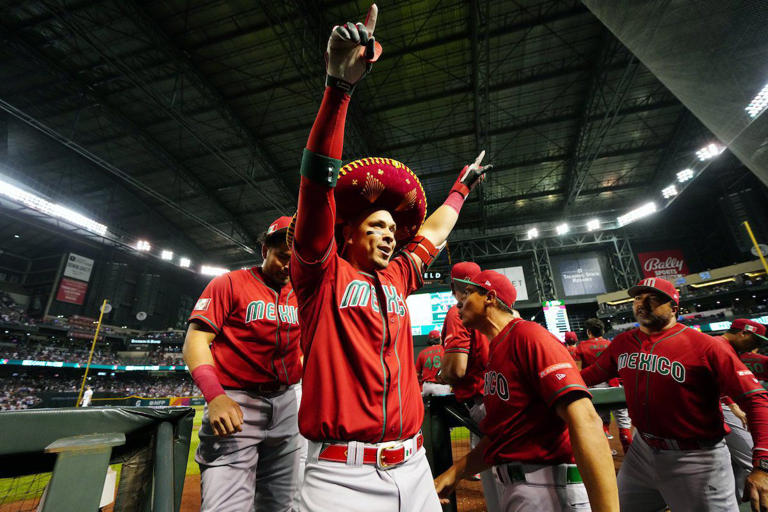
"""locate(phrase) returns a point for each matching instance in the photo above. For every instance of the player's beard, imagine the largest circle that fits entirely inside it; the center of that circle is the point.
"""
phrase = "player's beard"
(652, 321)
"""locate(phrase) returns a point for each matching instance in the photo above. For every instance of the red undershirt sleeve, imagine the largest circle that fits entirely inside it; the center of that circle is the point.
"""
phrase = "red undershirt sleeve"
(316, 214)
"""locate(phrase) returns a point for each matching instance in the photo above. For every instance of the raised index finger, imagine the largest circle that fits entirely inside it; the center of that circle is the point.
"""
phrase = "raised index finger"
(370, 20)
(479, 158)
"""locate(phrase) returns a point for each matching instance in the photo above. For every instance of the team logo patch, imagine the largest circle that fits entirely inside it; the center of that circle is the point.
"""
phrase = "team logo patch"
(549, 369)
(560, 376)
(744, 372)
(750, 328)
(202, 304)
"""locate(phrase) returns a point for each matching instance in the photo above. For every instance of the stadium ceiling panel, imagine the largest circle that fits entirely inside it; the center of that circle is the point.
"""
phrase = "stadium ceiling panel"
(184, 120)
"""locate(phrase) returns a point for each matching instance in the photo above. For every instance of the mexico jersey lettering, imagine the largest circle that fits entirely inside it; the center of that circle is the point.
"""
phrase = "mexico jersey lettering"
(652, 363)
(460, 340)
(360, 381)
(429, 362)
(528, 371)
(673, 380)
(261, 310)
(256, 326)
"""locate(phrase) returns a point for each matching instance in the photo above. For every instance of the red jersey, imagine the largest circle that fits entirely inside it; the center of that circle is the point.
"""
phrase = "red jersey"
(460, 340)
(758, 363)
(674, 379)
(428, 363)
(256, 326)
(360, 383)
(528, 371)
(572, 351)
(589, 350)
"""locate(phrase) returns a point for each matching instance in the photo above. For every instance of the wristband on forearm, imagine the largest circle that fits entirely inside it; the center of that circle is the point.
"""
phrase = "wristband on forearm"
(320, 169)
(455, 200)
(207, 381)
(340, 83)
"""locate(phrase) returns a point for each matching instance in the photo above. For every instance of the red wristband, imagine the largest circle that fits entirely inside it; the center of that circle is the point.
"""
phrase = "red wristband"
(455, 200)
(206, 379)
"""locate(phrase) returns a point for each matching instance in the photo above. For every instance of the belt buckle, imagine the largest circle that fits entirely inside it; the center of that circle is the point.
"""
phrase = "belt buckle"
(379, 452)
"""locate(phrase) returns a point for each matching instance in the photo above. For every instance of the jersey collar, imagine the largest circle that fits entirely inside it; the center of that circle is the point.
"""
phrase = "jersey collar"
(258, 274)
(504, 333)
(656, 336)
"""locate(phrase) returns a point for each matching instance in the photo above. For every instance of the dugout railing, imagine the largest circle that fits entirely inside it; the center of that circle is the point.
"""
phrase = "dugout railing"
(443, 413)
(76, 445)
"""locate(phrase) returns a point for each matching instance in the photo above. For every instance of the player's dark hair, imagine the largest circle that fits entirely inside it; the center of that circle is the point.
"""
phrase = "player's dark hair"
(272, 241)
(594, 326)
(499, 304)
(733, 331)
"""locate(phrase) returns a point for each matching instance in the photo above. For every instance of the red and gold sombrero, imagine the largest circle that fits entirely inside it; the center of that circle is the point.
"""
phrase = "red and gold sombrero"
(377, 183)
(381, 184)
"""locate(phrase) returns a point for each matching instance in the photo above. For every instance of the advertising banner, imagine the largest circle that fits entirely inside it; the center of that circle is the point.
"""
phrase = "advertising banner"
(71, 291)
(669, 264)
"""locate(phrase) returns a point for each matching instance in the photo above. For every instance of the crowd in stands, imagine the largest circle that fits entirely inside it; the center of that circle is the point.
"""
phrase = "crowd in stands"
(22, 391)
(13, 346)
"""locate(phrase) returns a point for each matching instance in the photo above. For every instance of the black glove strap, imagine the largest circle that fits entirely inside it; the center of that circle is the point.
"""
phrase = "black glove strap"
(338, 83)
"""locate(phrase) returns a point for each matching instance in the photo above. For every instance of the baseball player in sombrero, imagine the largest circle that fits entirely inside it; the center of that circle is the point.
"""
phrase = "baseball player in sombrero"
(360, 244)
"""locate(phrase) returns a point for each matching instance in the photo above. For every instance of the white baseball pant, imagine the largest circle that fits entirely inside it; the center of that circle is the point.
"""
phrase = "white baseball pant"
(545, 489)
(342, 487)
(740, 444)
(491, 489)
(302, 453)
(256, 469)
(683, 480)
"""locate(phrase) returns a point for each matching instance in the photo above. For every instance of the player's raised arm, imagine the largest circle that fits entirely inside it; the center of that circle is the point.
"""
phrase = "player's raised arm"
(439, 225)
(351, 51)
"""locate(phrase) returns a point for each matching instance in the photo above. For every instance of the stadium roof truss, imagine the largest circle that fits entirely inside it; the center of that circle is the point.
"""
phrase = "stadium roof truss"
(182, 121)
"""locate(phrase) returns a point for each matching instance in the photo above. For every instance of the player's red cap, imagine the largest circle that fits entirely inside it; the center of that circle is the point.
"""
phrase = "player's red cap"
(656, 284)
(279, 223)
(463, 271)
(750, 326)
(571, 336)
(498, 283)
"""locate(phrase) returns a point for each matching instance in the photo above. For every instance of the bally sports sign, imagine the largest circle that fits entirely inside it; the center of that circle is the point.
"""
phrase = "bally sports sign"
(669, 264)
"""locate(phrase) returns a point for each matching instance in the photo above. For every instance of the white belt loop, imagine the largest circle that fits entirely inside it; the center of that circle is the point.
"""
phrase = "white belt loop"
(313, 451)
(355, 453)
(502, 474)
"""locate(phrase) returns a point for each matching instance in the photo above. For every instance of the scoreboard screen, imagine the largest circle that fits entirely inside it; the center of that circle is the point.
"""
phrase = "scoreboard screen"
(556, 319)
(428, 311)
